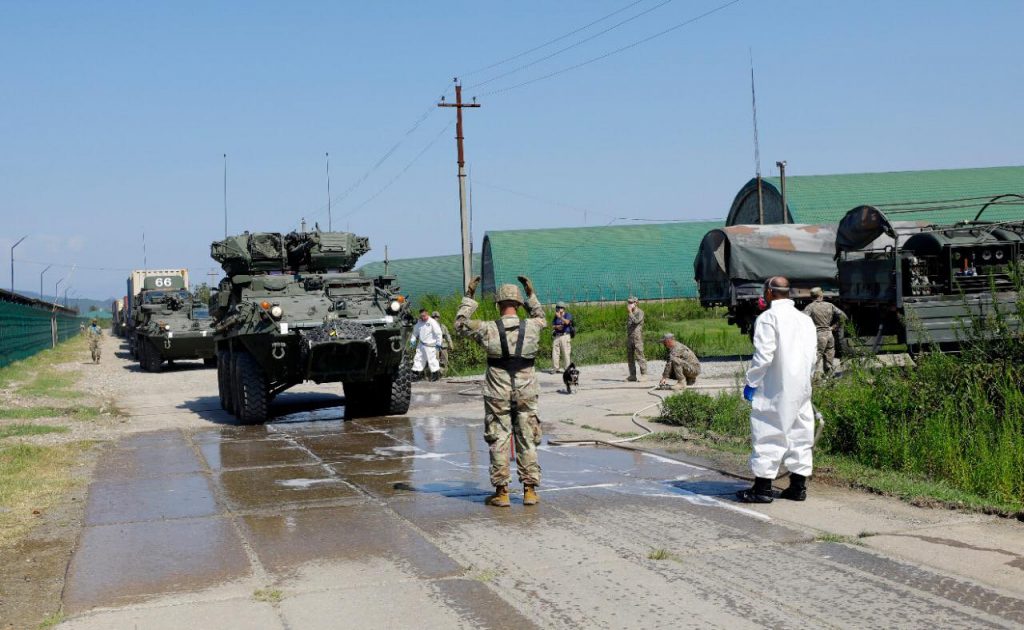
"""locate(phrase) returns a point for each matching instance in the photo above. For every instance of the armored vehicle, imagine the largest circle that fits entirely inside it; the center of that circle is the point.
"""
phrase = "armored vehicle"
(922, 282)
(170, 325)
(733, 263)
(292, 310)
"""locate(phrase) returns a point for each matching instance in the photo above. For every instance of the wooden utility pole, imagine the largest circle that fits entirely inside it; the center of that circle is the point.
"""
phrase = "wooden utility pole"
(467, 247)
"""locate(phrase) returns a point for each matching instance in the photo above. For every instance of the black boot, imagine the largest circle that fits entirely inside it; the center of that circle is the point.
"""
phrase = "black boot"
(797, 490)
(435, 376)
(417, 376)
(760, 492)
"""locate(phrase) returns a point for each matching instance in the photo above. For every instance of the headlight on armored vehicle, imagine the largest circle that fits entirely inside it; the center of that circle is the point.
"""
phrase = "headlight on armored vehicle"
(395, 306)
(165, 326)
(276, 312)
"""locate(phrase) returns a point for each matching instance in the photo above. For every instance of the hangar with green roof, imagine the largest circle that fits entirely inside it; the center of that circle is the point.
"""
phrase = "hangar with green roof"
(943, 196)
(438, 276)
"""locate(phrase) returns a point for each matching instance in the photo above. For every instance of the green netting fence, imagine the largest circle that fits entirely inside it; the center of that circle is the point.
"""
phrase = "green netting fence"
(26, 330)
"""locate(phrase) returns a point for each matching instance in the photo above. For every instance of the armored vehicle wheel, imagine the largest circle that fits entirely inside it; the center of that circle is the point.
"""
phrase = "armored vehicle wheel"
(224, 391)
(151, 360)
(252, 394)
(211, 362)
(395, 391)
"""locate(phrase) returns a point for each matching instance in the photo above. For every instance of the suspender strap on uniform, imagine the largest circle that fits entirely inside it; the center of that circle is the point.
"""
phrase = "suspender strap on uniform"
(510, 362)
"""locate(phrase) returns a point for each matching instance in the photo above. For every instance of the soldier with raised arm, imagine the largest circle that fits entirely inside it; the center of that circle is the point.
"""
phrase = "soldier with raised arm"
(510, 386)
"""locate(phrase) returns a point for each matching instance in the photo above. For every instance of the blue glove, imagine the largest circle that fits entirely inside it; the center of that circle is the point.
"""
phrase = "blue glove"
(748, 393)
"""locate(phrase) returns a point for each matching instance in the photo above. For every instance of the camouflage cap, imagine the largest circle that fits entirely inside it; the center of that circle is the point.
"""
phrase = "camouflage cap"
(94, 320)
(667, 336)
(632, 300)
(560, 305)
(508, 293)
(435, 315)
(817, 292)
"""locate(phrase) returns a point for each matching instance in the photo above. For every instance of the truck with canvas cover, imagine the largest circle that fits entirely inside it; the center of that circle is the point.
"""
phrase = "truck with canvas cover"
(927, 283)
(291, 309)
(171, 325)
(733, 263)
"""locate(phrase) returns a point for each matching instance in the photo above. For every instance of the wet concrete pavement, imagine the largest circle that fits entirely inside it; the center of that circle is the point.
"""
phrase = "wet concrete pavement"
(316, 522)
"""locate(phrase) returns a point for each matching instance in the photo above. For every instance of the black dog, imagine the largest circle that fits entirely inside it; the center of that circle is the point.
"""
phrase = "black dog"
(571, 377)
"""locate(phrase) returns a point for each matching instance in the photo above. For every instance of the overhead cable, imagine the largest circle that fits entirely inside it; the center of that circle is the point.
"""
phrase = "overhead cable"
(552, 41)
(613, 52)
(570, 46)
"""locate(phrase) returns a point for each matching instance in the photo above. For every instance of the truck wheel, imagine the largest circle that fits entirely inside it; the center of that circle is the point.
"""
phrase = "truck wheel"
(140, 356)
(397, 391)
(152, 362)
(224, 382)
(251, 390)
(356, 398)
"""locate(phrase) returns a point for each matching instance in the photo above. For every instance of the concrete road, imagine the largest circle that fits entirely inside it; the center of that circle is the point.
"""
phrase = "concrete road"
(316, 522)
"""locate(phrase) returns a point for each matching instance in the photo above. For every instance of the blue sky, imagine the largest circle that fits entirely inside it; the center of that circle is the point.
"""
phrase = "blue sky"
(114, 116)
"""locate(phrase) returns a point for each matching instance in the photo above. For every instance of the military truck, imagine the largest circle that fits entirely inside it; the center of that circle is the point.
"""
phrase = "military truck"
(291, 309)
(158, 279)
(169, 325)
(733, 263)
(923, 282)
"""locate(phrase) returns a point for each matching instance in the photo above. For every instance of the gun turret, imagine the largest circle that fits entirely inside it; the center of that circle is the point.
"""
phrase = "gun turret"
(260, 252)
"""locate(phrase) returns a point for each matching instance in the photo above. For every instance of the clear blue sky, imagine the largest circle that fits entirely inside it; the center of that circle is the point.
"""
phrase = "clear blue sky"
(114, 115)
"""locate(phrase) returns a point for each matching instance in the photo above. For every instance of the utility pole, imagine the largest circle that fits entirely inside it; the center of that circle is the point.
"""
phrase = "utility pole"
(782, 177)
(467, 247)
(12, 260)
(757, 144)
(41, 274)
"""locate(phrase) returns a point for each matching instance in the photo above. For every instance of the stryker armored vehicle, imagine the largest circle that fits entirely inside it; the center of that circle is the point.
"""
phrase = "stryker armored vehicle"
(924, 283)
(292, 310)
(170, 325)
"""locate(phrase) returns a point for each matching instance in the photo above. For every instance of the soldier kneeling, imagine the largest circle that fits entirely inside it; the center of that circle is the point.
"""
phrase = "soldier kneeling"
(682, 364)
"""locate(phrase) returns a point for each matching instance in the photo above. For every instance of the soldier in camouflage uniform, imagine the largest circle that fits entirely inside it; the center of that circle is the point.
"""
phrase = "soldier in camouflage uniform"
(510, 386)
(682, 364)
(94, 334)
(827, 317)
(446, 343)
(635, 340)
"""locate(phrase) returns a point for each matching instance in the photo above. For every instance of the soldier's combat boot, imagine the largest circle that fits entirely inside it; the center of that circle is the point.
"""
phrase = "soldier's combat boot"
(417, 376)
(760, 492)
(797, 490)
(499, 498)
(530, 495)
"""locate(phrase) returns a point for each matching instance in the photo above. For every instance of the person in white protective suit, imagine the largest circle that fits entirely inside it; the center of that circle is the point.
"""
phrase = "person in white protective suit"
(779, 388)
(427, 336)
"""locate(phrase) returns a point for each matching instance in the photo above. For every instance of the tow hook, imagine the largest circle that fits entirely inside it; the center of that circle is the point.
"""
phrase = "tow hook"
(167, 344)
(396, 344)
(277, 350)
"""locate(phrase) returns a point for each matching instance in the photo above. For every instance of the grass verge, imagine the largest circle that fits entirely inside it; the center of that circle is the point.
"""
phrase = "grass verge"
(78, 412)
(32, 478)
(601, 332)
(24, 430)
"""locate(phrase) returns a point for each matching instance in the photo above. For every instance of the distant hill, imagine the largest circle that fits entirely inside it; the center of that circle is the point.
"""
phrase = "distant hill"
(84, 305)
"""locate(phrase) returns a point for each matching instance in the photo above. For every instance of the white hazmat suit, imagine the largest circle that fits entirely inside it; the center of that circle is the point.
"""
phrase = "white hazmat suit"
(782, 418)
(427, 334)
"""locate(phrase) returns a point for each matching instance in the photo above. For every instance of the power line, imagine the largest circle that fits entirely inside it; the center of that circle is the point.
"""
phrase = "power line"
(571, 46)
(613, 52)
(552, 41)
(380, 161)
(402, 172)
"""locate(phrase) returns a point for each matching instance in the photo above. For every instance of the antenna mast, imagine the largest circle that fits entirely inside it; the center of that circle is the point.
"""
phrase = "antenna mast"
(327, 156)
(757, 144)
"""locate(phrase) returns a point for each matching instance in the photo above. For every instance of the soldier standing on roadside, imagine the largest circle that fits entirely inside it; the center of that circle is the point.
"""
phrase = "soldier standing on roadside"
(827, 317)
(561, 339)
(635, 340)
(446, 343)
(510, 386)
(94, 334)
(682, 364)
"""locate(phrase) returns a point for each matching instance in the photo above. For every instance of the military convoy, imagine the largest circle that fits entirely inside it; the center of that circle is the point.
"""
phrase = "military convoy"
(291, 309)
(912, 280)
(165, 323)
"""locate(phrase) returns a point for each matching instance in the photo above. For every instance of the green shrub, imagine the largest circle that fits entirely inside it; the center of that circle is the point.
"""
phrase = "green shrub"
(726, 413)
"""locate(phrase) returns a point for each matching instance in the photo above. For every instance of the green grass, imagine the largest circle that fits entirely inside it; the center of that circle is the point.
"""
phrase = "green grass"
(52, 620)
(269, 595)
(601, 332)
(78, 412)
(659, 554)
(32, 478)
(24, 430)
(23, 371)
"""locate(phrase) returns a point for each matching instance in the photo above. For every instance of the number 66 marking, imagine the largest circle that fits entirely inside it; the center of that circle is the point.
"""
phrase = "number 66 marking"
(162, 282)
